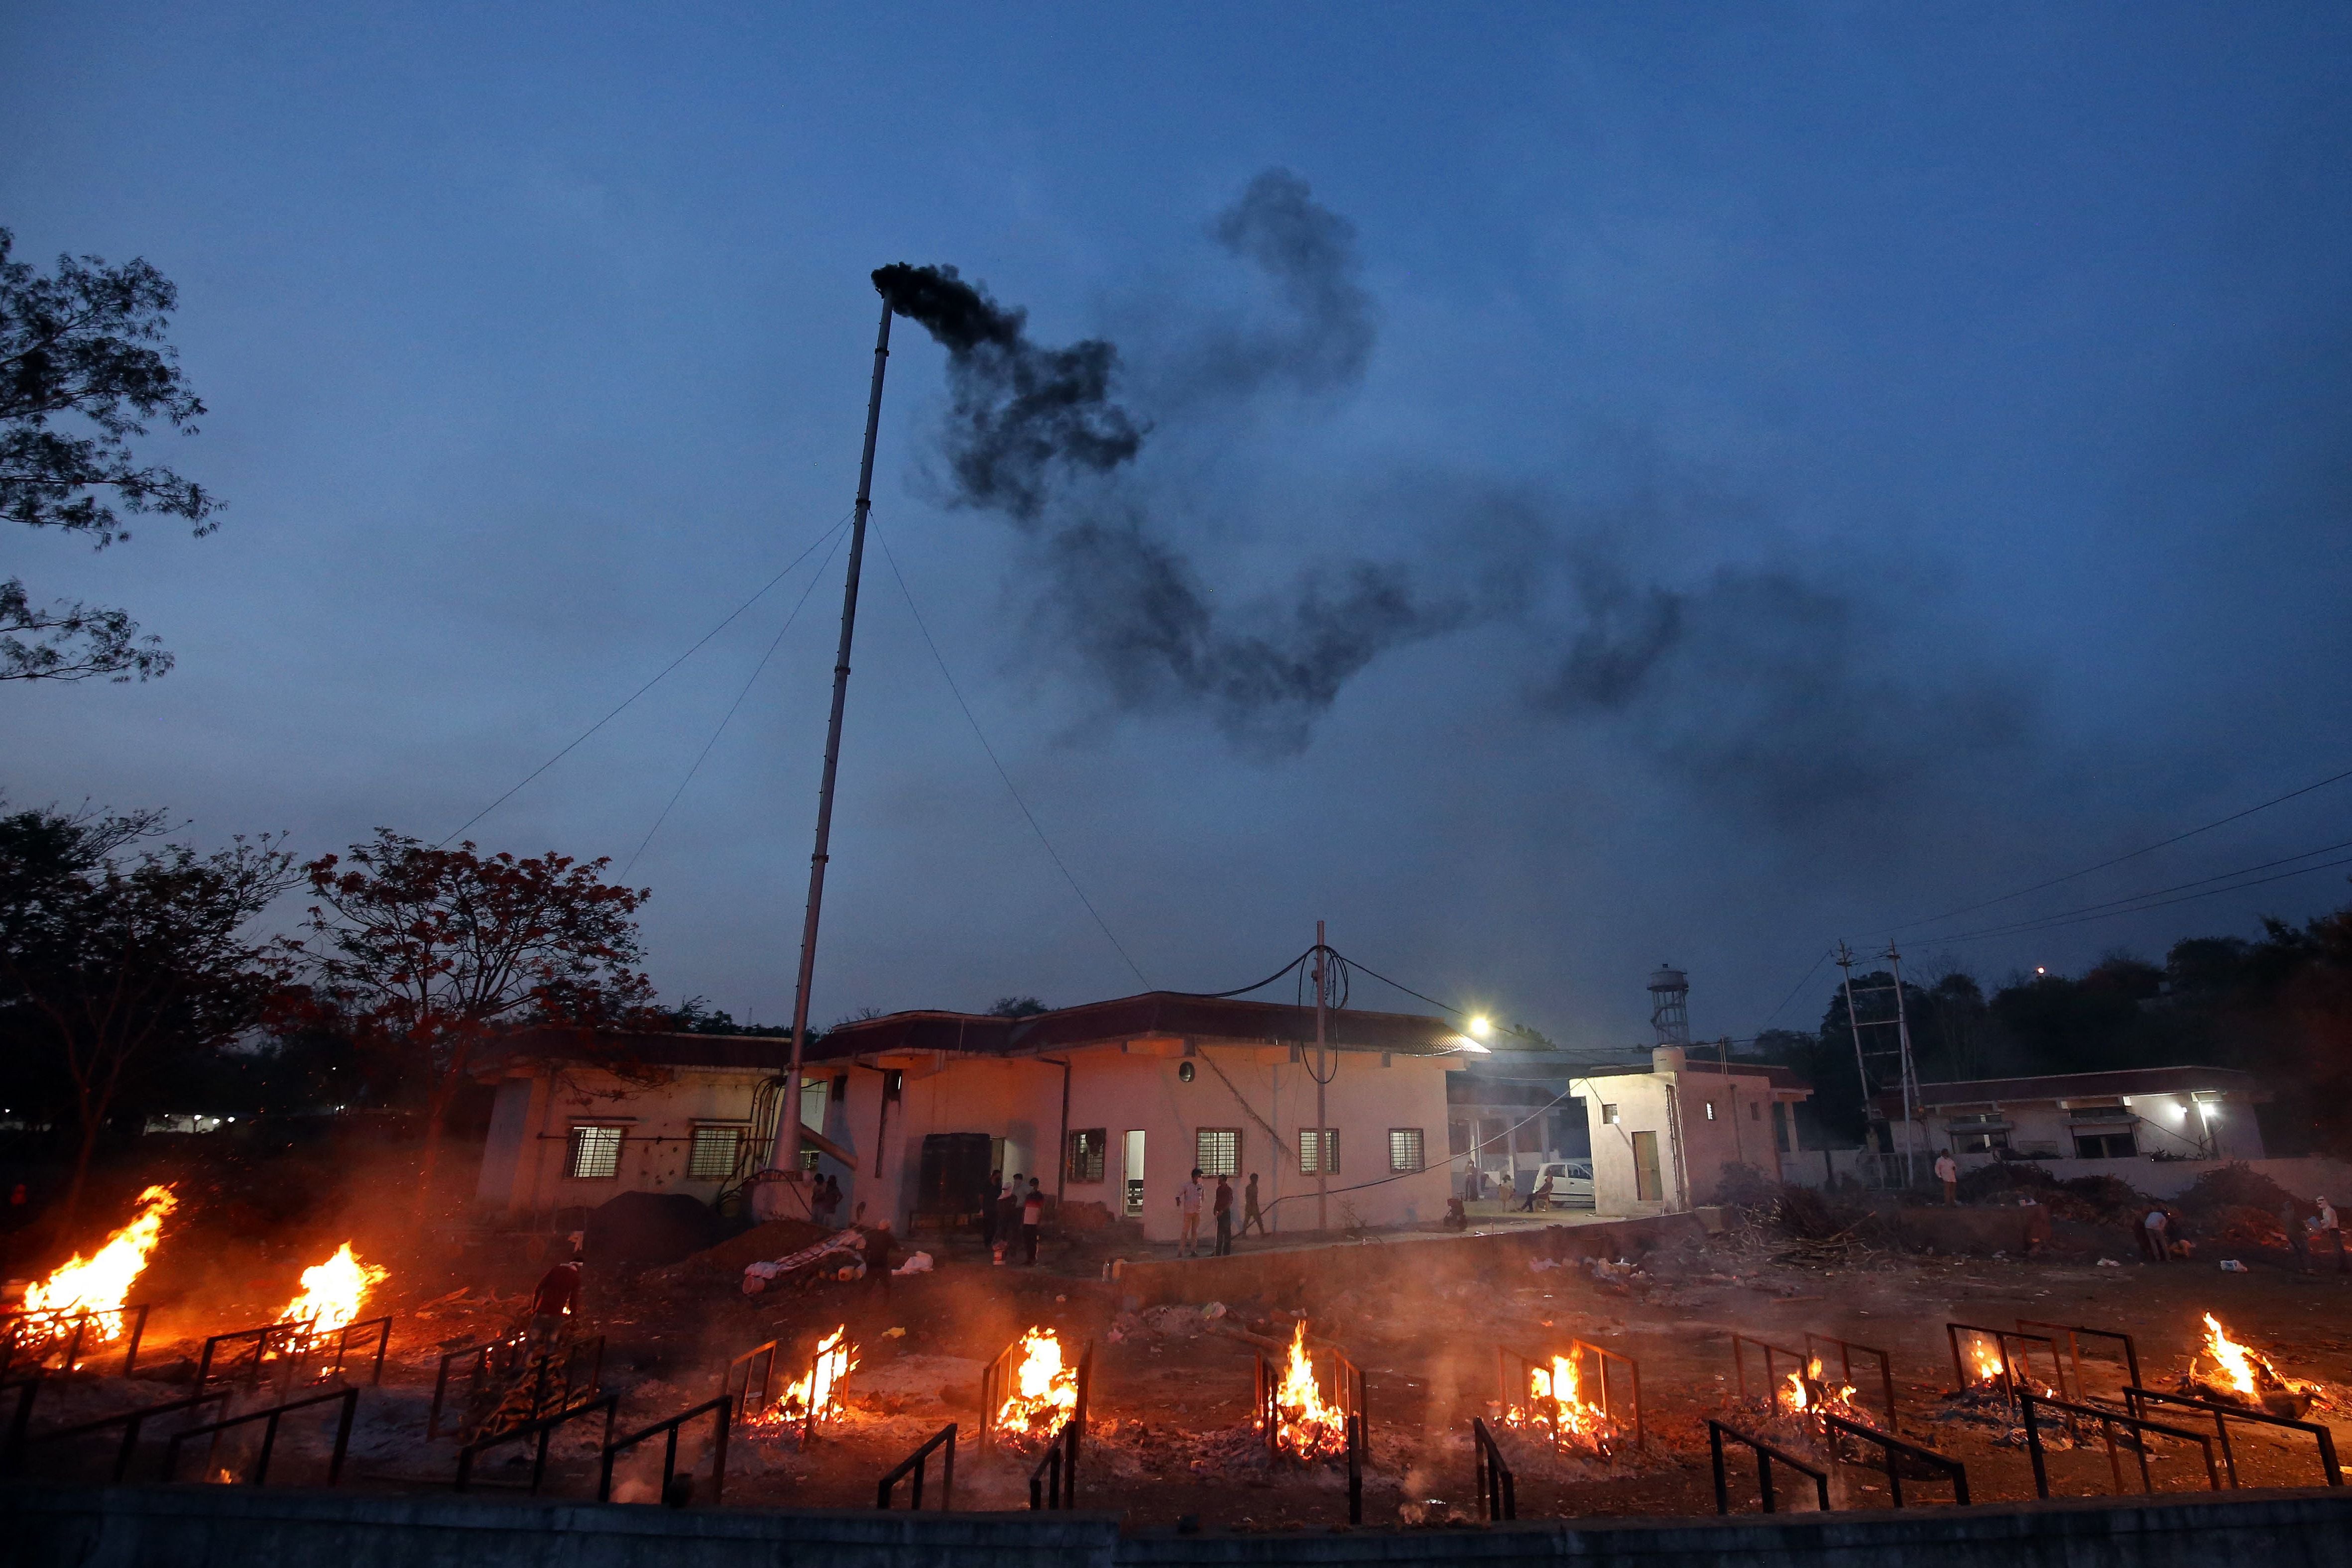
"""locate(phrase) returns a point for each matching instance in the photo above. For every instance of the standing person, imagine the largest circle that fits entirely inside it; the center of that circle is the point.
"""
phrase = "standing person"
(2152, 1230)
(1008, 1215)
(1222, 1206)
(557, 1298)
(1473, 1184)
(1033, 1217)
(1947, 1171)
(988, 1210)
(1539, 1193)
(2299, 1232)
(1188, 1204)
(2331, 1229)
(1250, 1213)
(881, 1253)
(1510, 1184)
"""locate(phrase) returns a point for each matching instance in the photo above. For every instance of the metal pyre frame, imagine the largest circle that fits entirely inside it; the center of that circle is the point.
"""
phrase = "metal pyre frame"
(1892, 1453)
(43, 1327)
(2075, 1335)
(738, 1381)
(131, 1421)
(610, 1404)
(572, 1391)
(284, 1340)
(1002, 1377)
(1847, 1351)
(2224, 1414)
(1498, 1496)
(1054, 1482)
(723, 1407)
(2015, 1371)
(1716, 1431)
(915, 1463)
(1772, 1377)
(348, 1397)
(2029, 1403)
(1347, 1394)
(1512, 1369)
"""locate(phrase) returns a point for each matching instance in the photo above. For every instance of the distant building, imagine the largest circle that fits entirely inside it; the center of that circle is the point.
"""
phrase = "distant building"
(1663, 1134)
(2139, 1112)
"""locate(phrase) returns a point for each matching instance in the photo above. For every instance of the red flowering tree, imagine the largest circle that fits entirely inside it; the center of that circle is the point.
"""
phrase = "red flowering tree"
(430, 954)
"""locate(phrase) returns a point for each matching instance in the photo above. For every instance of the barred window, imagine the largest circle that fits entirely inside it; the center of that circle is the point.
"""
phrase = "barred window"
(1404, 1149)
(1089, 1145)
(595, 1153)
(713, 1154)
(1308, 1144)
(1218, 1151)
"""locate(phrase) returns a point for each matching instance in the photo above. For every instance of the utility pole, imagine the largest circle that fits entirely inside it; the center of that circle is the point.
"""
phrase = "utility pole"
(1322, 1080)
(788, 1134)
(1904, 1075)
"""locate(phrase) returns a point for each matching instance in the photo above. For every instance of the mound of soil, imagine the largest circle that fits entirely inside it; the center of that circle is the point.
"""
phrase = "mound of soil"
(776, 1238)
(652, 1228)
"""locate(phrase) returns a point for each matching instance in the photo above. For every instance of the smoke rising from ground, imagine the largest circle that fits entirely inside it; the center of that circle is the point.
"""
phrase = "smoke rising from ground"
(1763, 686)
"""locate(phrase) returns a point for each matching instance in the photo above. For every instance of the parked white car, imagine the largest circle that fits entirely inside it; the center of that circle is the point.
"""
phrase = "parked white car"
(1571, 1183)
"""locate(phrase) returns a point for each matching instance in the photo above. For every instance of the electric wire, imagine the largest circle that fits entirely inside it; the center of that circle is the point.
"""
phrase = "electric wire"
(2054, 922)
(649, 686)
(2087, 910)
(775, 643)
(994, 762)
(2134, 854)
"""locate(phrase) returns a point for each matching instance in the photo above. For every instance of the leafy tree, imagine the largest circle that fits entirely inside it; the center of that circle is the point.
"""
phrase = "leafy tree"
(115, 966)
(1016, 1008)
(697, 1016)
(428, 954)
(86, 344)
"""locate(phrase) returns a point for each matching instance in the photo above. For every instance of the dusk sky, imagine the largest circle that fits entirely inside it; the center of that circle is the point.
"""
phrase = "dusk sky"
(1616, 483)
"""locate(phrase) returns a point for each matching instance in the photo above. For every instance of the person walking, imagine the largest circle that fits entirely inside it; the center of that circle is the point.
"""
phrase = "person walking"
(557, 1298)
(2299, 1232)
(1188, 1205)
(1222, 1206)
(1033, 1218)
(1947, 1171)
(2152, 1235)
(1251, 1213)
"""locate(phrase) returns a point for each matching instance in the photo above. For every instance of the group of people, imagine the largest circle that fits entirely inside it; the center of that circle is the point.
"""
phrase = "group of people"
(1191, 1198)
(1474, 1187)
(2306, 1233)
(1014, 1211)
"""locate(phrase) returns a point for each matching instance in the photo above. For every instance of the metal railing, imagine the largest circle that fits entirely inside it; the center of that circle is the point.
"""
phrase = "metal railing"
(1772, 1377)
(1347, 1394)
(2015, 1372)
(348, 1397)
(2224, 1414)
(571, 1391)
(1847, 1351)
(1893, 1451)
(1498, 1496)
(542, 1429)
(1593, 1364)
(129, 1420)
(915, 1463)
(314, 1355)
(81, 1318)
(736, 1380)
(1054, 1482)
(2075, 1335)
(2029, 1402)
(481, 1354)
(1001, 1375)
(1716, 1431)
(284, 1339)
(1355, 1452)
(723, 1407)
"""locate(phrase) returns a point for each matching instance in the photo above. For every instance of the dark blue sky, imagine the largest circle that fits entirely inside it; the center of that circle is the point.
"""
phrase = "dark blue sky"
(1839, 463)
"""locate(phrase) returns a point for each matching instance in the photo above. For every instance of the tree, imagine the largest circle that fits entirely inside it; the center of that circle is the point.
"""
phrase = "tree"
(1016, 1008)
(430, 952)
(112, 965)
(86, 344)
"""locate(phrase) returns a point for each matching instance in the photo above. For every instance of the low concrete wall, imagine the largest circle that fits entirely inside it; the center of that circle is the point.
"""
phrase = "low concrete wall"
(1292, 1275)
(2307, 1178)
(229, 1527)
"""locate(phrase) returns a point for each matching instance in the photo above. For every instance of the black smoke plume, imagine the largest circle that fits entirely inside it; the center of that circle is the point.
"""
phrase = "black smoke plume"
(1019, 409)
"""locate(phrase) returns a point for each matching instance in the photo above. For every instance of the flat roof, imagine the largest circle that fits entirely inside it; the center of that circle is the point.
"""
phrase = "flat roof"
(2118, 1082)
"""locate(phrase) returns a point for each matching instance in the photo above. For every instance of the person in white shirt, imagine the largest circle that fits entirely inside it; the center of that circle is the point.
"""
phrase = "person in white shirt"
(2331, 1230)
(1189, 1199)
(1947, 1171)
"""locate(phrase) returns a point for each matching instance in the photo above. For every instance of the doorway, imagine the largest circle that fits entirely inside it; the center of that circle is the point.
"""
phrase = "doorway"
(1131, 1173)
(1647, 1187)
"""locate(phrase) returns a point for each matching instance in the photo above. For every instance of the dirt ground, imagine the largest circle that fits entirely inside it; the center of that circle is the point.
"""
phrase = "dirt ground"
(1171, 1387)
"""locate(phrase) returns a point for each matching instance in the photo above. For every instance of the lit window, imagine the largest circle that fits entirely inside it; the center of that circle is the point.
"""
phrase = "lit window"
(1608, 1113)
(1307, 1143)
(713, 1154)
(1404, 1149)
(1218, 1151)
(595, 1153)
(1710, 1110)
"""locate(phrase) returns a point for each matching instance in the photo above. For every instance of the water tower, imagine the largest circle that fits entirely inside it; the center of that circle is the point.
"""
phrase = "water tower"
(1670, 1006)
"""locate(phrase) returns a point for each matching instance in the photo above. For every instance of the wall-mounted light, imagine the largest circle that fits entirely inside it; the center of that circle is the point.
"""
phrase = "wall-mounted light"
(1183, 1072)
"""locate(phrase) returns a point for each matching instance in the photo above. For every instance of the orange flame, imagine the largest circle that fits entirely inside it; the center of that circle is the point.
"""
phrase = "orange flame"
(1808, 1390)
(1985, 1361)
(332, 1291)
(818, 1393)
(1045, 1389)
(2248, 1372)
(1306, 1426)
(101, 1283)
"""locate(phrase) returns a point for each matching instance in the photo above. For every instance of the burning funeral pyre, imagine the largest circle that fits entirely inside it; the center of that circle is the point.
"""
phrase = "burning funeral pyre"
(1296, 1420)
(1811, 1394)
(333, 1292)
(2235, 1373)
(814, 1396)
(1042, 1393)
(1556, 1410)
(98, 1285)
